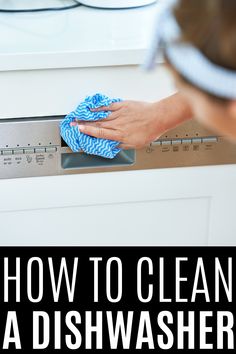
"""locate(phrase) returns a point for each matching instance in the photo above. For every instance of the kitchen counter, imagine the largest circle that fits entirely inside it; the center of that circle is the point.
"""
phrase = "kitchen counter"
(51, 61)
(82, 37)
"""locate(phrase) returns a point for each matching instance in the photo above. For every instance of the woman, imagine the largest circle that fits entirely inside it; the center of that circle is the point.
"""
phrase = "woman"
(200, 49)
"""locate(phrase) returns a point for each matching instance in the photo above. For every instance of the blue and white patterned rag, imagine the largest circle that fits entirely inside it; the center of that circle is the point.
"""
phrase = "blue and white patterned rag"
(79, 141)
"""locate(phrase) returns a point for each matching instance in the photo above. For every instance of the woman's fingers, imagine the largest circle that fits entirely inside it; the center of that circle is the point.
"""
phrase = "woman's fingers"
(99, 124)
(111, 117)
(126, 146)
(101, 133)
(113, 107)
(98, 130)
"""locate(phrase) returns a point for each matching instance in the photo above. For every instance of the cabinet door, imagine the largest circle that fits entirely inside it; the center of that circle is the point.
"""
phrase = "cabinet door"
(181, 206)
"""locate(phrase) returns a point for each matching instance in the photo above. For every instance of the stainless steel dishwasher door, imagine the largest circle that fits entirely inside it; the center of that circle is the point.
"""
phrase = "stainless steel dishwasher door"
(32, 147)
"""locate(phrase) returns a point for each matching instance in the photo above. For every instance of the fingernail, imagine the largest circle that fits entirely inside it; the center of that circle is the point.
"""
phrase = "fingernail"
(73, 124)
(81, 127)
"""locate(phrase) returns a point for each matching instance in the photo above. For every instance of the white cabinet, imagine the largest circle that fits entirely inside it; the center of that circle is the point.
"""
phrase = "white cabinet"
(182, 206)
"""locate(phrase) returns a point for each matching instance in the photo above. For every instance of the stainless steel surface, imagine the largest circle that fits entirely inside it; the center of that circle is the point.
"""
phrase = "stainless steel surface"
(33, 147)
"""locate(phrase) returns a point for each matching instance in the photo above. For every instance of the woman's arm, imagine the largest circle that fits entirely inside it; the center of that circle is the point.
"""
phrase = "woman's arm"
(135, 124)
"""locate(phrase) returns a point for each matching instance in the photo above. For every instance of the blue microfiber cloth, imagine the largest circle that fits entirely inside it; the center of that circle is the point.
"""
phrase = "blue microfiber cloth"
(79, 141)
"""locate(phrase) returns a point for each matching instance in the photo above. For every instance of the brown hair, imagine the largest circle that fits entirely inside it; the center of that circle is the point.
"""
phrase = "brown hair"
(210, 25)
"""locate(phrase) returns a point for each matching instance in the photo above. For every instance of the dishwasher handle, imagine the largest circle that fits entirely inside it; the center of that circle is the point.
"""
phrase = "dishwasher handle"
(79, 160)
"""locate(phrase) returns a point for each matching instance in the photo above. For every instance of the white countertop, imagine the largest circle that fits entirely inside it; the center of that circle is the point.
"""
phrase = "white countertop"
(81, 37)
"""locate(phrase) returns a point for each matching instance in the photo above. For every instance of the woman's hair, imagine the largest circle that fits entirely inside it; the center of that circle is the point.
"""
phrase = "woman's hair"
(210, 25)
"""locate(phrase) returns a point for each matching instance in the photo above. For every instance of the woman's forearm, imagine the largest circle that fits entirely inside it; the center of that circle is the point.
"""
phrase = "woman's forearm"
(171, 112)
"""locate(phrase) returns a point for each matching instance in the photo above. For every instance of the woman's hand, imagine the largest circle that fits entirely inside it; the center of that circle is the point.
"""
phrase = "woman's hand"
(130, 122)
(135, 124)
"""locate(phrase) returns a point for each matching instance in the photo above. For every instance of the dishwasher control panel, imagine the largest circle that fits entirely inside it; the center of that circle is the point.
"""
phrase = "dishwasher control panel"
(31, 147)
(206, 140)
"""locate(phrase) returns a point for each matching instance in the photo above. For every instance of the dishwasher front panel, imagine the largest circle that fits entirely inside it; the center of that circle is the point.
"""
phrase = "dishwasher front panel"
(33, 147)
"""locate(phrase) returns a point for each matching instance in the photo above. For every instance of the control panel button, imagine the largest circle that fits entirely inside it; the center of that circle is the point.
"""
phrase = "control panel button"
(186, 141)
(196, 140)
(210, 139)
(176, 142)
(7, 152)
(29, 151)
(39, 150)
(156, 143)
(51, 149)
(166, 142)
(18, 152)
